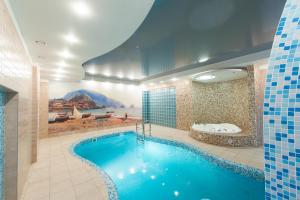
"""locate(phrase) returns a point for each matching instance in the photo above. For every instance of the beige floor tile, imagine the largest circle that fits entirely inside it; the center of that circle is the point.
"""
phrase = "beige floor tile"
(38, 175)
(61, 186)
(59, 177)
(37, 190)
(88, 187)
(68, 194)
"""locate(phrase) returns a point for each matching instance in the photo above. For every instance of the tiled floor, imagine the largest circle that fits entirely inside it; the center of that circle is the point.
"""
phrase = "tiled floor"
(58, 175)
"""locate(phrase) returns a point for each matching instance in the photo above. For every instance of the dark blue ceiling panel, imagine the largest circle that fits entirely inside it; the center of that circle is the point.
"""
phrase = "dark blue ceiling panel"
(181, 33)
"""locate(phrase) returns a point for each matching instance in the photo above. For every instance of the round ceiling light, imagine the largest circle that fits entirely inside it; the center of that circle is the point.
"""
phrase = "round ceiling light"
(203, 59)
(81, 9)
(71, 38)
(205, 77)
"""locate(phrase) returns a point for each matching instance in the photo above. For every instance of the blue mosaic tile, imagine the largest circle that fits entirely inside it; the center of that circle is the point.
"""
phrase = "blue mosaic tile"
(281, 109)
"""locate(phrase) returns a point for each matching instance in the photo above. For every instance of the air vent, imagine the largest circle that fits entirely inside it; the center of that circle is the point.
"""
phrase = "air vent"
(40, 43)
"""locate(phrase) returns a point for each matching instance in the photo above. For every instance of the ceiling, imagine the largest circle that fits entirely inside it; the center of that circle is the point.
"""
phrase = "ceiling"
(62, 34)
(220, 75)
(179, 35)
(140, 41)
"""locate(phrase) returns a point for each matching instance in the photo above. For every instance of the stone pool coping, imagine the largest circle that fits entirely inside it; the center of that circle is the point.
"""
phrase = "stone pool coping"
(111, 187)
(232, 140)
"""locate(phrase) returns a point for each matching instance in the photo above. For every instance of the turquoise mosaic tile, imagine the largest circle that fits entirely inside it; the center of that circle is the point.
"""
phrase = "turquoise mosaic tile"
(282, 109)
(159, 106)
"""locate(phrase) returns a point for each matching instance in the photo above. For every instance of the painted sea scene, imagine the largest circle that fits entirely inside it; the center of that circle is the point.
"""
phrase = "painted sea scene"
(86, 109)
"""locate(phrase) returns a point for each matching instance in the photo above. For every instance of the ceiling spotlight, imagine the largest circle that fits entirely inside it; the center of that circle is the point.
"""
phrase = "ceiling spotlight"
(62, 64)
(174, 79)
(131, 77)
(59, 75)
(107, 73)
(205, 77)
(81, 9)
(203, 59)
(66, 54)
(120, 75)
(71, 38)
(60, 71)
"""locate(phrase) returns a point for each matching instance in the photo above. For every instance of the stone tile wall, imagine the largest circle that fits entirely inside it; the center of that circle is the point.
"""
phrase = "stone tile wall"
(2, 116)
(35, 111)
(222, 102)
(43, 109)
(16, 75)
(259, 74)
(227, 102)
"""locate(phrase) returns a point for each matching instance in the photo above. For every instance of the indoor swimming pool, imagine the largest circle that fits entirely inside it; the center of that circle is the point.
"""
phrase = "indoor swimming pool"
(151, 168)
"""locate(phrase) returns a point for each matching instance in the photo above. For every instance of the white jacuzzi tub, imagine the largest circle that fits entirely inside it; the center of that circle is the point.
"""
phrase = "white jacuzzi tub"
(223, 128)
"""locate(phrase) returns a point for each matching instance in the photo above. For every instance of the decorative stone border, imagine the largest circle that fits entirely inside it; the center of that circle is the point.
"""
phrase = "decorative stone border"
(234, 140)
(112, 190)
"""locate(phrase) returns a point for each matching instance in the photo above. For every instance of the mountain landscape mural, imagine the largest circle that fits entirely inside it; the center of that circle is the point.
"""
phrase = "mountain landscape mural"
(80, 107)
(83, 100)
(100, 99)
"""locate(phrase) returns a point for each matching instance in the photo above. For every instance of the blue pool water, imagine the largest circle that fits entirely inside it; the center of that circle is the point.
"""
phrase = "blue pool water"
(154, 170)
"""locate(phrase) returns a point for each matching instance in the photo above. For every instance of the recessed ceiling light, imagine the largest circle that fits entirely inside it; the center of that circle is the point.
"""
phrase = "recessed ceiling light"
(205, 77)
(66, 54)
(71, 38)
(60, 71)
(91, 71)
(62, 64)
(58, 75)
(107, 73)
(174, 79)
(203, 59)
(131, 77)
(81, 9)
(120, 75)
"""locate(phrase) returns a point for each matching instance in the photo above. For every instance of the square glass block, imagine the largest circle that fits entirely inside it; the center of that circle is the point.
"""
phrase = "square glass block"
(159, 106)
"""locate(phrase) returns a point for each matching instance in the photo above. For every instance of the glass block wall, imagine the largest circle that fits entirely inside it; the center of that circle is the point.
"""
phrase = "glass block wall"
(282, 109)
(2, 102)
(159, 106)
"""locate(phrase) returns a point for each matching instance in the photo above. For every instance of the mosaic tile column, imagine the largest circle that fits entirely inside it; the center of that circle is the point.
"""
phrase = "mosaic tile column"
(282, 109)
(2, 103)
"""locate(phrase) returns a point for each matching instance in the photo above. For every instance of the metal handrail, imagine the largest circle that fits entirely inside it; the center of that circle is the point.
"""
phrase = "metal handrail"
(143, 127)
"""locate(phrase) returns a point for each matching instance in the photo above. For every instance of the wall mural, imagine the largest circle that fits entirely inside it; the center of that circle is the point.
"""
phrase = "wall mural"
(91, 105)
